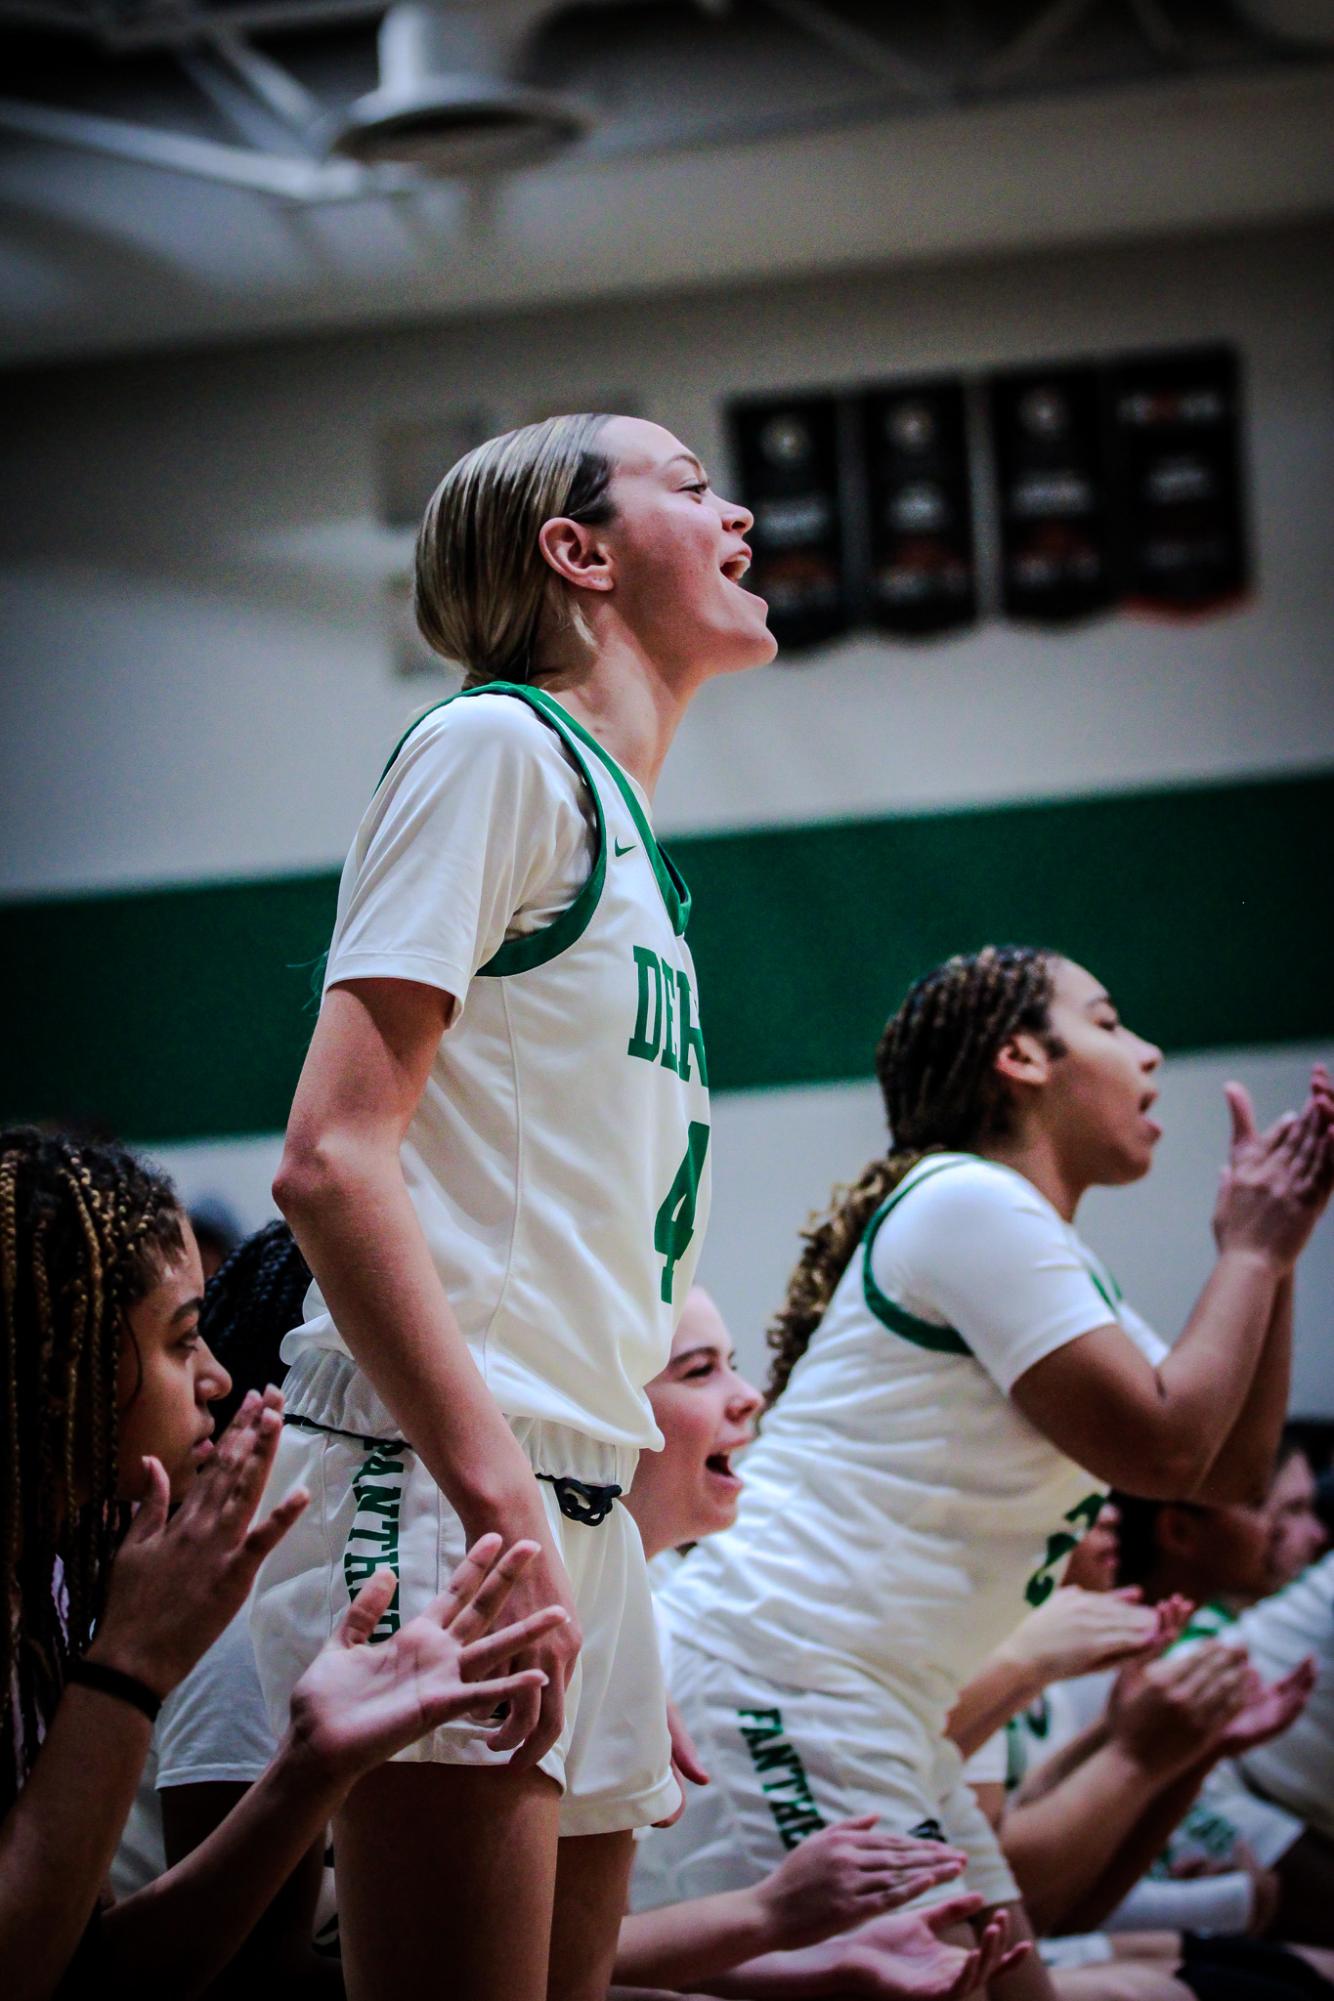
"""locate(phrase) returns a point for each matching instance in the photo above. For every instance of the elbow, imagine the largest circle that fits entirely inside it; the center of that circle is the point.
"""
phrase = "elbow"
(1176, 1470)
(311, 1170)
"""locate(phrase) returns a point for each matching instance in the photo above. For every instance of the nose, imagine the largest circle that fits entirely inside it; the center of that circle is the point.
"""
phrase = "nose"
(212, 1381)
(1151, 1058)
(738, 520)
(744, 1400)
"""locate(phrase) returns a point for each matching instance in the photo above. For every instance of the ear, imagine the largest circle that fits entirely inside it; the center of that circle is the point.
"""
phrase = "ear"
(575, 553)
(1176, 1530)
(1023, 1059)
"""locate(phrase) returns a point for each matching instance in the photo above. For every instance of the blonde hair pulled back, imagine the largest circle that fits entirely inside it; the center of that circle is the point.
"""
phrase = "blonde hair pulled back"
(484, 594)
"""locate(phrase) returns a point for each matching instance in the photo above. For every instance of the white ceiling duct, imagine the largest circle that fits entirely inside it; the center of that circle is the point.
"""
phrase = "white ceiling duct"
(1310, 22)
(450, 98)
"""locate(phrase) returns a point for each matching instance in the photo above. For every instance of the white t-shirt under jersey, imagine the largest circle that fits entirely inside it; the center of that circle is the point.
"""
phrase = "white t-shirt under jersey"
(557, 1158)
(899, 1513)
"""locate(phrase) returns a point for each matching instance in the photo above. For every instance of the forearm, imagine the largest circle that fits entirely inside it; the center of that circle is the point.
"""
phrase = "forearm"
(353, 1218)
(781, 1976)
(682, 1944)
(58, 1839)
(1210, 1377)
(180, 1931)
(1143, 1842)
(1244, 1466)
(1054, 1771)
(999, 1690)
(1061, 1844)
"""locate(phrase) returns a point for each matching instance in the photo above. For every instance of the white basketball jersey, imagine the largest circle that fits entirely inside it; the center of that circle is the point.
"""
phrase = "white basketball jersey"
(900, 1514)
(558, 1157)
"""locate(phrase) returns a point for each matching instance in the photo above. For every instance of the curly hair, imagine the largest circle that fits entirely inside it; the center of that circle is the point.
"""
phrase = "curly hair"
(935, 1064)
(250, 1302)
(85, 1231)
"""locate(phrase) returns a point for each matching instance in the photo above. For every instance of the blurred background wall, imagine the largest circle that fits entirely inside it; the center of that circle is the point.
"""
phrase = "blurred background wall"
(204, 650)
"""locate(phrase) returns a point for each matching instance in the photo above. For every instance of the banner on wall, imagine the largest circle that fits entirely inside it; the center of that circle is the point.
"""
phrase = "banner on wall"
(1181, 511)
(1053, 493)
(786, 455)
(923, 576)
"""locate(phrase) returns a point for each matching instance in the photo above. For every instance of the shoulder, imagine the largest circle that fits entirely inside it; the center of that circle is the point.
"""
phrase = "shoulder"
(467, 724)
(963, 1191)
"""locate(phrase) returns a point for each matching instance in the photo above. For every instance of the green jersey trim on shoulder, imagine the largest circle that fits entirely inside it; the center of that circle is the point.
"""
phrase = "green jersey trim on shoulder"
(675, 892)
(537, 948)
(924, 1333)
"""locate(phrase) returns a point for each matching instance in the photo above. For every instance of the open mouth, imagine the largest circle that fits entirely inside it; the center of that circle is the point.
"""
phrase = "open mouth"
(735, 568)
(720, 1465)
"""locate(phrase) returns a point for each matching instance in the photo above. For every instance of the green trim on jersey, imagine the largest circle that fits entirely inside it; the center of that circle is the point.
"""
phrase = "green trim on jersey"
(675, 892)
(536, 948)
(925, 1333)
(1207, 1622)
(671, 882)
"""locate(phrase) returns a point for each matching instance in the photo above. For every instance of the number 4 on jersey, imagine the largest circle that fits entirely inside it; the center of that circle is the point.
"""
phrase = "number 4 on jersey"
(675, 1224)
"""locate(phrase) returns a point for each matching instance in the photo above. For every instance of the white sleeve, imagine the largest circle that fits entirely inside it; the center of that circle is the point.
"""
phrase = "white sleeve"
(480, 819)
(214, 1724)
(1223, 1903)
(977, 1249)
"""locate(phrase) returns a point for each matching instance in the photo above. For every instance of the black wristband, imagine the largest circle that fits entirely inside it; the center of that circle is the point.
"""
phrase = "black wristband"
(112, 1681)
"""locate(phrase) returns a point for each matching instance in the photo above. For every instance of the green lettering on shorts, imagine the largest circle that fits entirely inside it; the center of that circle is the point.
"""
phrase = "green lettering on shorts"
(787, 1789)
(372, 1542)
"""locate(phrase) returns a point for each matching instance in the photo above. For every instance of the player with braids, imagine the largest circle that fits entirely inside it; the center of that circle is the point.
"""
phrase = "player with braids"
(102, 1217)
(107, 1386)
(957, 1378)
(934, 1065)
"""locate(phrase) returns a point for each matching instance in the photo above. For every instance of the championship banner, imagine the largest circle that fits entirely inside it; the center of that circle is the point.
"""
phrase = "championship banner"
(786, 457)
(1181, 512)
(1053, 493)
(923, 575)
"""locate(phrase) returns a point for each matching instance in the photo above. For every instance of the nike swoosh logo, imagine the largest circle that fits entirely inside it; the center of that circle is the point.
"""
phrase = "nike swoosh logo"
(629, 847)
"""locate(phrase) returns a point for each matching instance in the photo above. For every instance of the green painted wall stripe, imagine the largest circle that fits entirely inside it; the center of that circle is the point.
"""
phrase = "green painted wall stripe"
(180, 1012)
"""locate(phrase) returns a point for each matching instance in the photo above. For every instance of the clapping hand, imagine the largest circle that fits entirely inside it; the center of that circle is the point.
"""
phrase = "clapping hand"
(357, 1703)
(179, 1578)
(848, 1873)
(904, 1957)
(1269, 1710)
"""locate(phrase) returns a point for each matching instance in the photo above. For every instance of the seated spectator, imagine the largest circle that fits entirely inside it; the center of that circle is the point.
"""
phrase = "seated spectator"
(1278, 1856)
(213, 1738)
(109, 1384)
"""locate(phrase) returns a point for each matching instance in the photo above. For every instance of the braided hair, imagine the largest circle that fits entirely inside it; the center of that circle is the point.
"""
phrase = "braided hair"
(250, 1302)
(936, 1068)
(85, 1231)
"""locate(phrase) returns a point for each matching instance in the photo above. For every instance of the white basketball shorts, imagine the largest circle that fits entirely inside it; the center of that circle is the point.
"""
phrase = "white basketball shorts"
(783, 1762)
(374, 1503)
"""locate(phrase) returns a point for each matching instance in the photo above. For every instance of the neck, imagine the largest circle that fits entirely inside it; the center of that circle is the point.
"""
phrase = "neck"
(627, 703)
(1036, 1157)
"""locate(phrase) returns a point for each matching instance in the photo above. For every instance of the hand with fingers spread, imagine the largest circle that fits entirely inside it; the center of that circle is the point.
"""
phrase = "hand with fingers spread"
(358, 1703)
(1171, 1714)
(178, 1581)
(1276, 1184)
(536, 1711)
(905, 1958)
(848, 1873)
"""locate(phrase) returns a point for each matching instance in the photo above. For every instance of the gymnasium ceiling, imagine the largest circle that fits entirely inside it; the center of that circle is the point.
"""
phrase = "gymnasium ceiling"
(161, 184)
